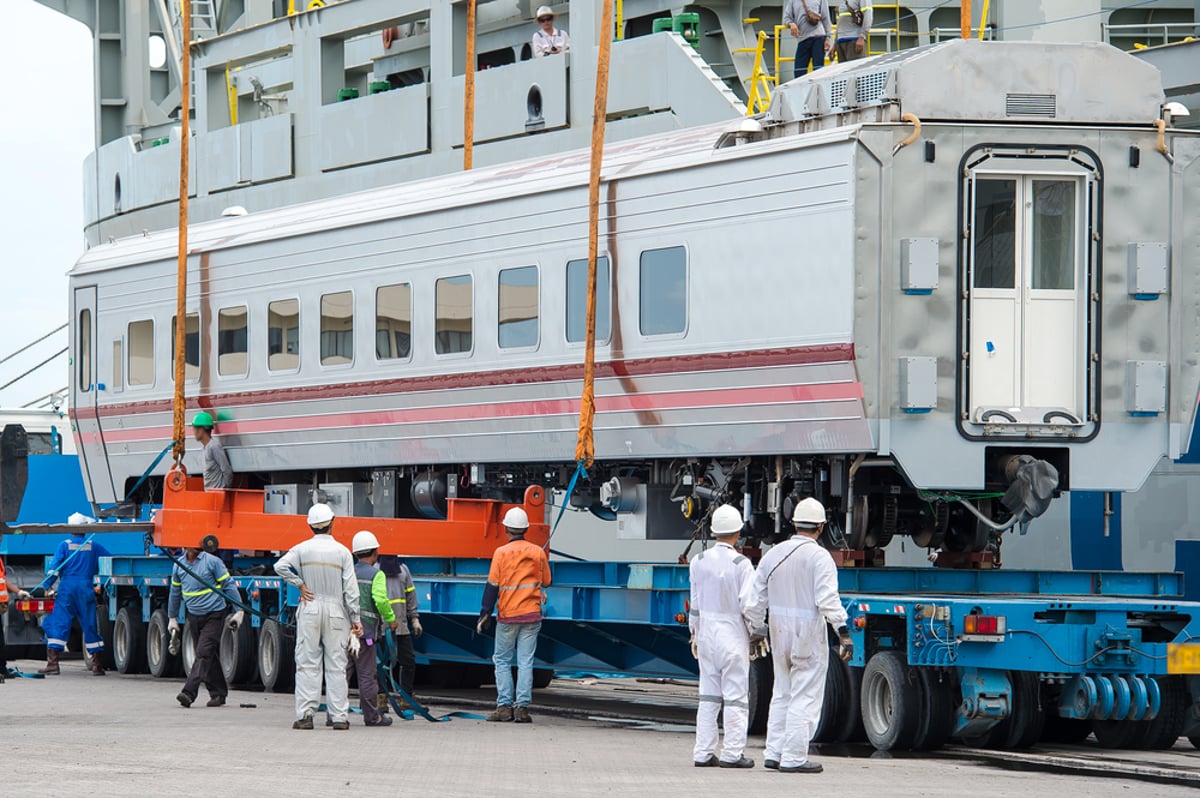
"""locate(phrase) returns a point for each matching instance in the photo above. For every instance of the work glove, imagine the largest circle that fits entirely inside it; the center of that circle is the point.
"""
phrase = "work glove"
(236, 619)
(845, 645)
(353, 646)
(416, 627)
(760, 647)
(24, 595)
(483, 622)
(695, 648)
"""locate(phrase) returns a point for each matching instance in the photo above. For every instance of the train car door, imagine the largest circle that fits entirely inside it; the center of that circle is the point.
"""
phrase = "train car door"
(1027, 304)
(85, 392)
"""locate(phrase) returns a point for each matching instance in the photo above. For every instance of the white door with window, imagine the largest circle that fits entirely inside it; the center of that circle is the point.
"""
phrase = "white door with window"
(1027, 299)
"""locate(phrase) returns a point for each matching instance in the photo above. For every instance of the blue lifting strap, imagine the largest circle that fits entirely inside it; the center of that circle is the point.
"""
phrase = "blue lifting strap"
(385, 655)
(52, 575)
(579, 471)
(146, 473)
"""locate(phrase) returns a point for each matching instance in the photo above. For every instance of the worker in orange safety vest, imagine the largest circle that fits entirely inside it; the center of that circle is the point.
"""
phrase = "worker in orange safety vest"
(8, 590)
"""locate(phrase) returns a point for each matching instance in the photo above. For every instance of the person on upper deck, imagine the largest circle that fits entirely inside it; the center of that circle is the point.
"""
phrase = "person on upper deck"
(809, 22)
(549, 40)
(854, 21)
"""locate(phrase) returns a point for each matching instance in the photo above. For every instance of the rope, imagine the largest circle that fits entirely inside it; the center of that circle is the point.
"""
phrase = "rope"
(25, 374)
(469, 92)
(585, 449)
(185, 99)
(32, 344)
(580, 471)
(239, 603)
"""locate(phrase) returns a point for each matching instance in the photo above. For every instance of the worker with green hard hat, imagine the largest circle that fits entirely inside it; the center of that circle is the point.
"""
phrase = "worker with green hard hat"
(218, 474)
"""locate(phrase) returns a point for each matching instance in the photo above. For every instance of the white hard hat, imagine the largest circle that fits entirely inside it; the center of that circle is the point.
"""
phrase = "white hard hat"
(516, 518)
(364, 541)
(809, 513)
(79, 519)
(543, 11)
(320, 516)
(726, 520)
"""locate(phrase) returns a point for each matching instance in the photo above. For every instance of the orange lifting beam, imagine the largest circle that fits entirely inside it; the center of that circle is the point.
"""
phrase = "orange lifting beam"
(236, 519)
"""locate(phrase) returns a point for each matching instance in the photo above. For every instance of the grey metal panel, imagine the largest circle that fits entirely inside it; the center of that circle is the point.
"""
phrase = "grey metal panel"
(377, 127)
(1147, 268)
(270, 148)
(918, 265)
(502, 99)
(250, 152)
(677, 71)
(918, 384)
(1145, 386)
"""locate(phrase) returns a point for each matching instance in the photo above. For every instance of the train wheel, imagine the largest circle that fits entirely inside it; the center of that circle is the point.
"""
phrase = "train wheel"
(762, 679)
(936, 720)
(836, 703)
(890, 702)
(276, 658)
(159, 659)
(1165, 728)
(129, 642)
(239, 654)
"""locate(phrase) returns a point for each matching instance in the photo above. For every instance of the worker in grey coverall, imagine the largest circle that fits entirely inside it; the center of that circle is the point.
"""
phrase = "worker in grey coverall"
(323, 570)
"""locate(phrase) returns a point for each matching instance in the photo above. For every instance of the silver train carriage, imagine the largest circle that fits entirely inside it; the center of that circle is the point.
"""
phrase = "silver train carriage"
(913, 277)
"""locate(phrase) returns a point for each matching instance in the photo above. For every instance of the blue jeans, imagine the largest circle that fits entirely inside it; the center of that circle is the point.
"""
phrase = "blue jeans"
(521, 638)
(808, 50)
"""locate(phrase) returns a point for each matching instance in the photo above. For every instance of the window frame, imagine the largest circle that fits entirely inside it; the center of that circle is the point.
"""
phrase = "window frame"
(129, 383)
(412, 338)
(462, 354)
(84, 376)
(537, 338)
(217, 321)
(299, 335)
(581, 343)
(687, 292)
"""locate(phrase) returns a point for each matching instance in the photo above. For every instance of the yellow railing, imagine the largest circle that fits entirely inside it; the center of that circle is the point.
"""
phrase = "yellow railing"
(760, 81)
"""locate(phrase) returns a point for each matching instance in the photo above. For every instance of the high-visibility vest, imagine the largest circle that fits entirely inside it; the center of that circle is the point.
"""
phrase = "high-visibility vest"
(3, 584)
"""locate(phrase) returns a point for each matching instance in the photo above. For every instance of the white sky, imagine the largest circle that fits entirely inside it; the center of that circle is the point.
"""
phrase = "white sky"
(46, 130)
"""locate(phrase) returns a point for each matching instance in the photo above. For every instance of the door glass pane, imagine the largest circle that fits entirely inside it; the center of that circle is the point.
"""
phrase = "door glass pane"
(118, 365)
(577, 280)
(85, 350)
(283, 335)
(454, 315)
(393, 322)
(1054, 234)
(995, 227)
(231, 342)
(141, 352)
(191, 348)
(337, 328)
(518, 307)
(663, 291)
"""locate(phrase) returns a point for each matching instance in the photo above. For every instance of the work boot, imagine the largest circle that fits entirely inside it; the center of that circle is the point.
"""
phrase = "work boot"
(216, 701)
(522, 715)
(501, 715)
(343, 725)
(51, 668)
(304, 723)
(184, 700)
(711, 762)
(743, 762)
(384, 720)
(807, 767)
(97, 666)
(771, 764)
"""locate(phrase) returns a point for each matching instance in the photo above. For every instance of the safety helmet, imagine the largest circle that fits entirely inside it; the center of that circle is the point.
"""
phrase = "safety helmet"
(516, 518)
(543, 11)
(79, 519)
(364, 541)
(202, 419)
(320, 516)
(809, 514)
(726, 520)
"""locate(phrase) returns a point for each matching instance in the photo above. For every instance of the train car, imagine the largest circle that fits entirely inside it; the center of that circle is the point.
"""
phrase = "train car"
(919, 283)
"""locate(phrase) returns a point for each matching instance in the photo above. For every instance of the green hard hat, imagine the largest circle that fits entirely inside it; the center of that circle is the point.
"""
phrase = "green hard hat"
(202, 419)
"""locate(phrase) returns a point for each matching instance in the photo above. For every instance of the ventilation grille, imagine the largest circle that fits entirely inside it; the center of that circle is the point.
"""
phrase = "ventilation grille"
(837, 93)
(1030, 105)
(869, 88)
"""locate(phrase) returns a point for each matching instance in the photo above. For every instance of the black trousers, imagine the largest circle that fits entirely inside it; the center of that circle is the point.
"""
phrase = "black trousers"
(206, 631)
(3, 654)
(406, 662)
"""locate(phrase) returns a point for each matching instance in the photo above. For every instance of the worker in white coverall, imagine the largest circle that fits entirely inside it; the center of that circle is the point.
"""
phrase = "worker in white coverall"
(797, 582)
(323, 570)
(722, 581)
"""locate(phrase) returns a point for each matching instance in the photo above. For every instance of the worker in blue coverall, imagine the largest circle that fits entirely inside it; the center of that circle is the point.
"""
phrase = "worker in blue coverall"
(75, 565)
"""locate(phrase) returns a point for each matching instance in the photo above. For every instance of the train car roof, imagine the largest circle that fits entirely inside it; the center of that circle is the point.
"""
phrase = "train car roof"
(657, 153)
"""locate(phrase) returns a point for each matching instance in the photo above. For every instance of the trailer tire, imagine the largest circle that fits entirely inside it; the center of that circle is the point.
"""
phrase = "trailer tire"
(937, 711)
(852, 731)
(836, 703)
(159, 660)
(1065, 730)
(1195, 741)
(129, 642)
(104, 626)
(890, 702)
(542, 678)
(1117, 733)
(276, 658)
(1029, 716)
(238, 654)
(762, 680)
(1165, 729)
(187, 648)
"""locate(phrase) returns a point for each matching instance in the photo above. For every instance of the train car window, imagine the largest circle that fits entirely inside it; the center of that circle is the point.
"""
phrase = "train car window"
(85, 349)
(232, 344)
(518, 317)
(337, 328)
(191, 347)
(141, 352)
(283, 335)
(577, 280)
(393, 322)
(1054, 237)
(118, 352)
(663, 291)
(995, 233)
(454, 315)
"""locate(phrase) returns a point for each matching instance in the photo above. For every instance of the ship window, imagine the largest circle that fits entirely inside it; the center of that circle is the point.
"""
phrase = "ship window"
(232, 334)
(454, 312)
(393, 322)
(118, 352)
(85, 350)
(191, 347)
(141, 352)
(995, 233)
(663, 291)
(518, 307)
(283, 335)
(337, 328)
(577, 280)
